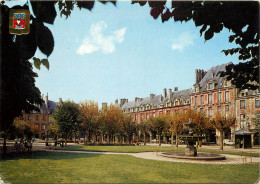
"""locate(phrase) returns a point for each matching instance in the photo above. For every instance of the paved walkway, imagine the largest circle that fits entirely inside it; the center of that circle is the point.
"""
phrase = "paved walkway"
(230, 159)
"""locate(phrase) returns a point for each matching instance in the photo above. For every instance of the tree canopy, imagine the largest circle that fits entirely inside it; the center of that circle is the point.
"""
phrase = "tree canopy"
(67, 116)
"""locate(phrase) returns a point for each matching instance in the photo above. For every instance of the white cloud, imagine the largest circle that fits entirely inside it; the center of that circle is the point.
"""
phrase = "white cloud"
(98, 41)
(184, 40)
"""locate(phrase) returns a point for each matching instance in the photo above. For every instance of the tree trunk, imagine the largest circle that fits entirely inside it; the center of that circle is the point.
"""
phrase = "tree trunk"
(66, 140)
(89, 135)
(129, 139)
(74, 137)
(4, 145)
(159, 139)
(176, 143)
(221, 139)
(144, 139)
(172, 138)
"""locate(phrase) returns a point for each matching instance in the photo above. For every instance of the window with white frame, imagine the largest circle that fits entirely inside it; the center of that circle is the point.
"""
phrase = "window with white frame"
(219, 97)
(201, 99)
(257, 103)
(210, 98)
(227, 96)
(242, 104)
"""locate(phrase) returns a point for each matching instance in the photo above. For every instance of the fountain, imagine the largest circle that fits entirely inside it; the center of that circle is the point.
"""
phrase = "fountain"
(191, 150)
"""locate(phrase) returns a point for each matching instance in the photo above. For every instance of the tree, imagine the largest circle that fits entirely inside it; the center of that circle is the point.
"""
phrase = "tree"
(201, 120)
(53, 130)
(158, 124)
(18, 90)
(222, 123)
(128, 126)
(90, 113)
(113, 117)
(242, 18)
(175, 122)
(67, 117)
(144, 126)
(24, 129)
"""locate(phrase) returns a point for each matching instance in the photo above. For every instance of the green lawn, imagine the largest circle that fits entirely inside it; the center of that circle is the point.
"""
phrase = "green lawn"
(51, 167)
(136, 149)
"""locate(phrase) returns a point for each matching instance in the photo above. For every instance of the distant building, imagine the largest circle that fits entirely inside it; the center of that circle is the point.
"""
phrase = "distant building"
(155, 105)
(40, 120)
(248, 113)
(211, 94)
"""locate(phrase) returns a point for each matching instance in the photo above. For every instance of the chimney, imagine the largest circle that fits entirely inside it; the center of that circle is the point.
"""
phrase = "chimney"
(46, 100)
(116, 101)
(123, 101)
(151, 96)
(199, 74)
(164, 92)
(212, 74)
(196, 76)
(60, 100)
(136, 98)
(104, 105)
(170, 93)
(175, 88)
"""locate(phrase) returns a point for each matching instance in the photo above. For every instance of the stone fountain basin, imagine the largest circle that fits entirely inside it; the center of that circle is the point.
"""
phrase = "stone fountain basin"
(200, 156)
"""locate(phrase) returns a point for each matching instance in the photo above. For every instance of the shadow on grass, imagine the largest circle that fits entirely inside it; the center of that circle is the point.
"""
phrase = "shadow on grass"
(45, 155)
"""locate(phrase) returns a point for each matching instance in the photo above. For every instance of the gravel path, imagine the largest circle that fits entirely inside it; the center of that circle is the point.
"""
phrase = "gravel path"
(230, 159)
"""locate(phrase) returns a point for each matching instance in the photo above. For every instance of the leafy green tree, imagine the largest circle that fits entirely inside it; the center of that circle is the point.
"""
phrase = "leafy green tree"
(159, 125)
(67, 116)
(128, 126)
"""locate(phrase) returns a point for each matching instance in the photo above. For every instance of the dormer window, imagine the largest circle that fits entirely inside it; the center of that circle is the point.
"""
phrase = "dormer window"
(197, 89)
(210, 86)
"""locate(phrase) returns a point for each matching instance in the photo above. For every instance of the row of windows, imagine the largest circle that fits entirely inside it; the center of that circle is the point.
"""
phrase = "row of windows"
(243, 104)
(146, 116)
(38, 126)
(30, 118)
(210, 98)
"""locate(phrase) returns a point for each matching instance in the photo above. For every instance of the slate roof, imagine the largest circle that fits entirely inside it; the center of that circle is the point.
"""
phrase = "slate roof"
(51, 106)
(219, 81)
(157, 100)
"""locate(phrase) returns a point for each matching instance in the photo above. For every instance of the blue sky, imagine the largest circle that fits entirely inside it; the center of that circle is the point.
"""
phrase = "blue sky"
(122, 52)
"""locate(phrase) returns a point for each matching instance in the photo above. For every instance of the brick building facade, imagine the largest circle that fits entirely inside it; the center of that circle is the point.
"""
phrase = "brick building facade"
(211, 94)
(40, 120)
(155, 105)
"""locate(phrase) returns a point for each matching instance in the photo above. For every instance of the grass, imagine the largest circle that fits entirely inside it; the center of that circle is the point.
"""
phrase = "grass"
(136, 149)
(50, 167)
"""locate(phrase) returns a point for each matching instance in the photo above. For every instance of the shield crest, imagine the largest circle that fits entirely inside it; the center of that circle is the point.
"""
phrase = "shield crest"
(19, 20)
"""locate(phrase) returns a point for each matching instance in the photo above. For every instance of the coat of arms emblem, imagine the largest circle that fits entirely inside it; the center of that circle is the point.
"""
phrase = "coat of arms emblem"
(19, 21)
